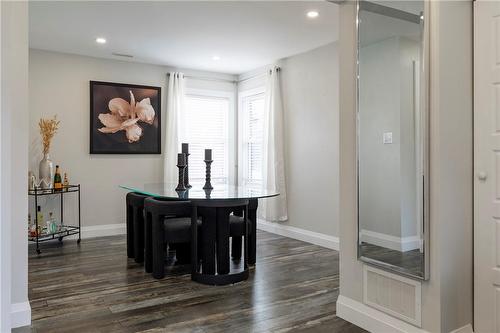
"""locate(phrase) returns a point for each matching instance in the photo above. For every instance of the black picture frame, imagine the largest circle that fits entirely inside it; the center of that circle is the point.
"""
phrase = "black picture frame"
(117, 143)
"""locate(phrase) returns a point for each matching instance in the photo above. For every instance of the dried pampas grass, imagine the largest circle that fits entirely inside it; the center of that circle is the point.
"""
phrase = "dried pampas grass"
(48, 128)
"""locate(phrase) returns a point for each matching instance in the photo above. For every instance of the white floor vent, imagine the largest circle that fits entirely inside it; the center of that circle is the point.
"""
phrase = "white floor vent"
(393, 294)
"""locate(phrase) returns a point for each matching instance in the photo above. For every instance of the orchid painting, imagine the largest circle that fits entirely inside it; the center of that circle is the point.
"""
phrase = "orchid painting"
(124, 118)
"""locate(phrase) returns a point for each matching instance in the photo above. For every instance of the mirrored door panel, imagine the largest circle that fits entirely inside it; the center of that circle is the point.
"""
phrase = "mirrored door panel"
(391, 136)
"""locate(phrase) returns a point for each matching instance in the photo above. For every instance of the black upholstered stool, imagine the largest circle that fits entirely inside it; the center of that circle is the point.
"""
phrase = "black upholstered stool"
(167, 222)
(135, 226)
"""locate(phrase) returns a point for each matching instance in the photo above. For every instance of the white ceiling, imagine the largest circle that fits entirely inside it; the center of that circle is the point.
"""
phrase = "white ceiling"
(244, 34)
(375, 27)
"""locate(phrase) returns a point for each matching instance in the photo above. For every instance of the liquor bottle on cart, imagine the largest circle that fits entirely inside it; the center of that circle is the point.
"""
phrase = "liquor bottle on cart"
(57, 179)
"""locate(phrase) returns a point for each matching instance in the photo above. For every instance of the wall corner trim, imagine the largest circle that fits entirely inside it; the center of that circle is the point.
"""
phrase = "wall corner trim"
(316, 238)
(371, 319)
(20, 314)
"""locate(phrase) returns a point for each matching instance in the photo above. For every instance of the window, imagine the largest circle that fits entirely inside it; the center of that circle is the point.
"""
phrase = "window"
(251, 134)
(206, 125)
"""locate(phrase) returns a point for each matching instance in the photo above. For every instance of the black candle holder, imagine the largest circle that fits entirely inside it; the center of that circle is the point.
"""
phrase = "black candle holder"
(185, 151)
(208, 184)
(186, 172)
(180, 185)
(183, 194)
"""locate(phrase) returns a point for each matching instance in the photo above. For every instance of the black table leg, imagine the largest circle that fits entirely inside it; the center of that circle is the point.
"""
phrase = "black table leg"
(183, 253)
(194, 239)
(223, 240)
(252, 239)
(208, 227)
(236, 247)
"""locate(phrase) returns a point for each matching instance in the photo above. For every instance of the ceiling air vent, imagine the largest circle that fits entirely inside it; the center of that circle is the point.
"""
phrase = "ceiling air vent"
(122, 55)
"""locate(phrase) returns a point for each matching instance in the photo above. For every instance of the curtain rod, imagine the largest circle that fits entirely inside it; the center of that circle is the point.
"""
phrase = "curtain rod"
(204, 78)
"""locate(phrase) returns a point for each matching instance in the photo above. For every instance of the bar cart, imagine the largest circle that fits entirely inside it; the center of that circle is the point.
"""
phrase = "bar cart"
(63, 230)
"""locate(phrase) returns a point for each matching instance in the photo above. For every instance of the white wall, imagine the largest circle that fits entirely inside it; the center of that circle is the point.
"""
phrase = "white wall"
(310, 99)
(447, 295)
(59, 84)
(310, 84)
(380, 164)
(14, 165)
(387, 171)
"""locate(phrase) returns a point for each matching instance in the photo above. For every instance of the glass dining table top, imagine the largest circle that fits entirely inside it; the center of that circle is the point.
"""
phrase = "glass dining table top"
(196, 192)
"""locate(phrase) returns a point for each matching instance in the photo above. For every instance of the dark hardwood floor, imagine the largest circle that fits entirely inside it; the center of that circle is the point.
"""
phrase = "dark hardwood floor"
(95, 288)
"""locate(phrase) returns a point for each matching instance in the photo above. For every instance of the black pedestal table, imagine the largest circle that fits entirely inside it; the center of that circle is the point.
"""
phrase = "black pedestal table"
(214, 206)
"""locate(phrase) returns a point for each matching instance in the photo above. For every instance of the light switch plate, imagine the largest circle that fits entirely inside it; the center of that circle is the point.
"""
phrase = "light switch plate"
(387, 138)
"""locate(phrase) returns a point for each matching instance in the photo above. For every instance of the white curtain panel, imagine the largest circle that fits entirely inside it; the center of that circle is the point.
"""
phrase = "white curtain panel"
(274, 209)
(175, 109)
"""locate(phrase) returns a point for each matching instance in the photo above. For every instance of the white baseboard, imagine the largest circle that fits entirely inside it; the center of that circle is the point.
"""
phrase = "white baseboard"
(93, 231)
(464, 329)
(316, 238)
(410, 243)
(20, 314)
(104, 230)
(401, 244)
(312, 237)
(371, 319)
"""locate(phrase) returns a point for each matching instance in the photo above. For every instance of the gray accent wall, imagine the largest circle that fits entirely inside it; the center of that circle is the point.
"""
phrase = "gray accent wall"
(387, 176)
(310, 93)
(59, 84)
(310, 84)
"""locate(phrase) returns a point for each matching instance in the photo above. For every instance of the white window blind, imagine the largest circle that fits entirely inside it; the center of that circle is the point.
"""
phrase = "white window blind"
(252, 134)
(206, 127)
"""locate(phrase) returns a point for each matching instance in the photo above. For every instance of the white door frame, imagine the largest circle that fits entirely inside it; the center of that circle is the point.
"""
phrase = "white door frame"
(5, 227)
(486, 167)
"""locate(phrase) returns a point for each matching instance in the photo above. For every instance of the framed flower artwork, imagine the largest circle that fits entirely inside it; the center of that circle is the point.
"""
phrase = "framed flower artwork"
(124, 118)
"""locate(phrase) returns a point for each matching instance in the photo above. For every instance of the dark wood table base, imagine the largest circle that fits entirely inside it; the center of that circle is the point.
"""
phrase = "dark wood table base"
(215, 256)
(220, 279)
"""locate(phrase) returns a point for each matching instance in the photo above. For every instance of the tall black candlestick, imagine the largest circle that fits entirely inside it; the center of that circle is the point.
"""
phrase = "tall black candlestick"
(185, 151)
(208, 184)
(181, 164)
(181, 159)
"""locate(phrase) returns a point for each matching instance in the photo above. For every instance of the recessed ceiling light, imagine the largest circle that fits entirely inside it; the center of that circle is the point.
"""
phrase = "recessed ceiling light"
(100, 40)
(312, 14)
(215, 58)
